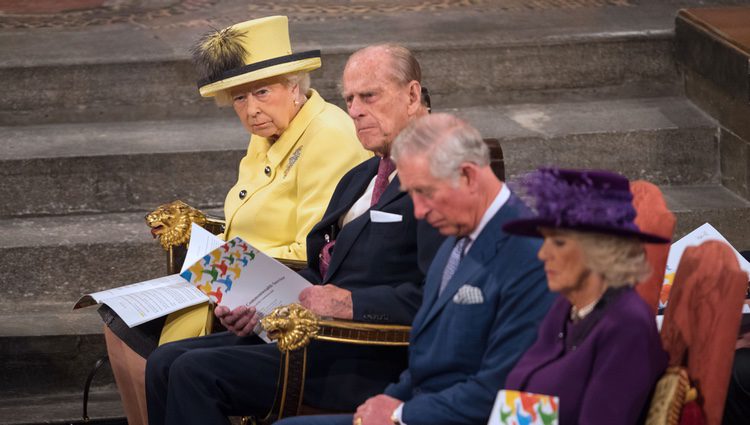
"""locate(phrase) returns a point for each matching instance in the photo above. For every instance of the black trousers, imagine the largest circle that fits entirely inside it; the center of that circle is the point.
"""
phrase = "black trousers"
(203, 380)
(737, 407)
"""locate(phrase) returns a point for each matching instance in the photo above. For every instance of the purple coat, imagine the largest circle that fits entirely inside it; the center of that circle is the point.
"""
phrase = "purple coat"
(603, 368)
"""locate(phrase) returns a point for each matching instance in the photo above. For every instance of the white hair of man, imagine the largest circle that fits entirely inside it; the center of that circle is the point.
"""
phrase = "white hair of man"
(446, 141)
(404, 67)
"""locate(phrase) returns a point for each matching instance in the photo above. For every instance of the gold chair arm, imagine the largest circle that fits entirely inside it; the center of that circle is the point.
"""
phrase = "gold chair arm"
(294, 326)
(215, 225)
(349, 332)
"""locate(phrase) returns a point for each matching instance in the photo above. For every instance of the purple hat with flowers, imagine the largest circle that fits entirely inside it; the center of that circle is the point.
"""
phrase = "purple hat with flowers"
(580, 200)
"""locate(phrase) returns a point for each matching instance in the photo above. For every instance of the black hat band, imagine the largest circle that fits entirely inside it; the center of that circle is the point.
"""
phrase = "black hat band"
(260, 65)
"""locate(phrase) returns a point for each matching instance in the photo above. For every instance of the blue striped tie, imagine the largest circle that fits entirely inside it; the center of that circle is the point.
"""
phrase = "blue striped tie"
(455, 258)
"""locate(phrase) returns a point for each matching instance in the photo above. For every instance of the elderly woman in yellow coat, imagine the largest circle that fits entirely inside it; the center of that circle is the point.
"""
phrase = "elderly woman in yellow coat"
(299, 149)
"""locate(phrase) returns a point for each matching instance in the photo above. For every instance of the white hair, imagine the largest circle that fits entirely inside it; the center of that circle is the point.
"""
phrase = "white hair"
(302, 79)
(446, 141)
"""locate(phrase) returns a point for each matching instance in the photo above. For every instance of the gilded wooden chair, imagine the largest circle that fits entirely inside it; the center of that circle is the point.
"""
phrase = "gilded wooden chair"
(699, 332)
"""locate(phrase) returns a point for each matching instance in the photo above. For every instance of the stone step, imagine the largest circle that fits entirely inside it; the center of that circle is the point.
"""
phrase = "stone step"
(109, 167)
(60, 258)
(705, 37)
(470, 55)
(725, 210)
(102, 167)
(648, 138)
(104, 408)
(48, 348)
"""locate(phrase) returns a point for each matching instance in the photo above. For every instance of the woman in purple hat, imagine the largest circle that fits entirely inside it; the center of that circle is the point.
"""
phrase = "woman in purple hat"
(598, 348)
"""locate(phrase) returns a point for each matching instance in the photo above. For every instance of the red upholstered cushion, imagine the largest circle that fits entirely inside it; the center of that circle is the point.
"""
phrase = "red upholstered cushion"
(653, 216)
(691, 414)
(702, 321)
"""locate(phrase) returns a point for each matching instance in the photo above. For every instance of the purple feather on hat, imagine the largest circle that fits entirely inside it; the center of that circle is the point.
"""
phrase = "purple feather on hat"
(579, 198)
(583, 200)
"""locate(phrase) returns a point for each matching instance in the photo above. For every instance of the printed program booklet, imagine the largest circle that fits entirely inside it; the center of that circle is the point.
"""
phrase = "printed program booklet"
(231, 274)
(521, 408)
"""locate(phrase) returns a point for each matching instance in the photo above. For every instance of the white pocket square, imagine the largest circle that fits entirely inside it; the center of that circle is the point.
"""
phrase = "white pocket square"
(468, 294)
(384, 217)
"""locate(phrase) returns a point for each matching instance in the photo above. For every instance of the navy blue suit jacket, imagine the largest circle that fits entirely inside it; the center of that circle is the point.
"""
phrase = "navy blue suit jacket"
(460, 354)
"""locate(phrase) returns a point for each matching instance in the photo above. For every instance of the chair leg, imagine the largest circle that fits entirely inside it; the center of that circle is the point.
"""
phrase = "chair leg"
(289, 388)
(87, 386)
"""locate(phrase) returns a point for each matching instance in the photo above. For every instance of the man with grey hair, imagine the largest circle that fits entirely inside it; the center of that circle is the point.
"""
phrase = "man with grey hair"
(485, 292)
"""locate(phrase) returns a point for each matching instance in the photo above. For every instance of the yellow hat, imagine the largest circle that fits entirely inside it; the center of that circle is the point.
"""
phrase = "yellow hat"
(247, 52)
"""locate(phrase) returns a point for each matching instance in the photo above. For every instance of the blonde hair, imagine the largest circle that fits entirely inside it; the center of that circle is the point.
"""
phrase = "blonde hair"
(302, 79)
(619, 260)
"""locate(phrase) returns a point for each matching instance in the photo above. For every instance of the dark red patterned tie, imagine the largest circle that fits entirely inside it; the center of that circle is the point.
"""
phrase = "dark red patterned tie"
(324, 259)
(385, 168)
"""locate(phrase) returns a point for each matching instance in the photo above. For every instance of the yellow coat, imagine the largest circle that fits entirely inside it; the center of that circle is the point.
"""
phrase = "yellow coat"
(287, 184)
(279, 207)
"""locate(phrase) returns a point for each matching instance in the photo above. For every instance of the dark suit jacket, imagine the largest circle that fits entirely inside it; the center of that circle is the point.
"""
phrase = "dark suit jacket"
(383, 265)
(460, 354)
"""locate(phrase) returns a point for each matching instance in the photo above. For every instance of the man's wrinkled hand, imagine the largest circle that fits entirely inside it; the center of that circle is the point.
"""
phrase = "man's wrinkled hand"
(328, 301)
(377, 410)
(241, 321)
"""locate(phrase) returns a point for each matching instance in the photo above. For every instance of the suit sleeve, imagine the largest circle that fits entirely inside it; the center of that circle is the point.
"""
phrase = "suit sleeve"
(328, 155)
(619, 360)
(400, 301)
(521, 306)
(401, 389)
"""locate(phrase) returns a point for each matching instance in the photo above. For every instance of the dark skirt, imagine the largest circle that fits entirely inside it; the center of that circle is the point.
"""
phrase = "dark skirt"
(143, 339)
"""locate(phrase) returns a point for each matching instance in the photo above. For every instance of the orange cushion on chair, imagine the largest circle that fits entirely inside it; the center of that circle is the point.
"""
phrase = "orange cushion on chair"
(654, 217)
(702, 321)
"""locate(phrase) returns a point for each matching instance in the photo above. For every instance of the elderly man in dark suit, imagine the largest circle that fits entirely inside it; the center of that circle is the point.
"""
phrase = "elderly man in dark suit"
(485, 292)
(367, 258)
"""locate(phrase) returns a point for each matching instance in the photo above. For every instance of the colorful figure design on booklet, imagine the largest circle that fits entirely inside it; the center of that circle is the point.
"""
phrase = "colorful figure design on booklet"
(238, 255)
(213, 273)
(192, 273)
(666, 287)
(215, 295)
(547, 418)
(236, 270)
(522, 408)
(227, 281)
(222, 267)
